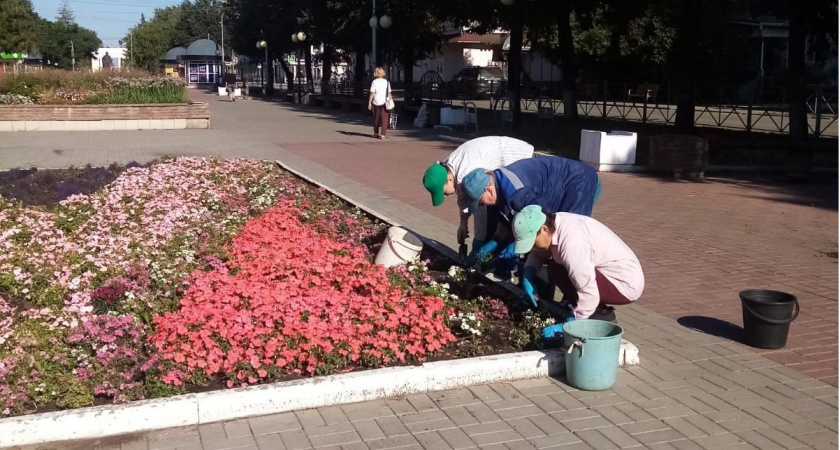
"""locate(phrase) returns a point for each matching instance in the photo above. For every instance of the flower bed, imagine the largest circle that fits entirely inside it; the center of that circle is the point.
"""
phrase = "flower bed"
(55, 87)
(194, 274)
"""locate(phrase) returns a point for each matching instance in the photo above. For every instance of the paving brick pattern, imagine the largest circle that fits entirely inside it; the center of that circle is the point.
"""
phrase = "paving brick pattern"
(702, 393)
(700, 243)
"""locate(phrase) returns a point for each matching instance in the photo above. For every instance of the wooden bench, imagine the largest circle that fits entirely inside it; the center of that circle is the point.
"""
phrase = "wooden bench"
(645, 91)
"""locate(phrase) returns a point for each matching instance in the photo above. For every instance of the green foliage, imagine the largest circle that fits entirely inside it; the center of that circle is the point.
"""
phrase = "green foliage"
(141, 95)
(649, 38)
(153, 38)
(592, 32)
(197, 20)
(54, 41)
(65, 15)
(272, 20)
(18, 24)
(63, 87)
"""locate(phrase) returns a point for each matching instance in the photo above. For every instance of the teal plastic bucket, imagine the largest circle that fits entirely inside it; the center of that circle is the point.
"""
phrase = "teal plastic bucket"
(592, 356)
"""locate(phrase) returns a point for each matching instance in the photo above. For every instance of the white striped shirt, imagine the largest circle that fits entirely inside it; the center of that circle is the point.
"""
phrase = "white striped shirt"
(488, 153)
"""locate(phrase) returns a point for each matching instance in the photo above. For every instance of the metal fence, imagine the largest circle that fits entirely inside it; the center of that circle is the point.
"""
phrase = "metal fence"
(732, 107)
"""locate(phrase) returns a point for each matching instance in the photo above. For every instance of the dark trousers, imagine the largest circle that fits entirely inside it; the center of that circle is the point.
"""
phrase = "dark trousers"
(558, 275)
(380, 119)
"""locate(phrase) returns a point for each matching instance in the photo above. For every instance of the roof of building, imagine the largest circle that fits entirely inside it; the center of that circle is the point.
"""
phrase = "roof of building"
(202, 47)
(470, 38)
(174, 53)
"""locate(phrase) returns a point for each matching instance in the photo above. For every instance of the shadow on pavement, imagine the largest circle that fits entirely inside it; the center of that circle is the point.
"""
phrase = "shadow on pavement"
(355, 117)
(353, 133)
(819, 191)
(714, 327)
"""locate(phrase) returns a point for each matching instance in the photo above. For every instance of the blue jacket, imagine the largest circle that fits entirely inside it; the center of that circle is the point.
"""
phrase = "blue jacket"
(556, 184)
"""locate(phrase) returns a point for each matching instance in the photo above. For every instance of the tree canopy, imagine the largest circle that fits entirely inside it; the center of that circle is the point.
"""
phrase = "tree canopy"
(153, 38)
(58, 42)
(18, 23)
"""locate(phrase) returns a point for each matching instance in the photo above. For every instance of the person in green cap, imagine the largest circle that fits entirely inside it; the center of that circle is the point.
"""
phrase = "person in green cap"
(444, 178)
(587, 261)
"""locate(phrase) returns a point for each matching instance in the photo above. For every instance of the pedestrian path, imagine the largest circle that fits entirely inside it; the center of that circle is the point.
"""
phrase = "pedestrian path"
(699, 243)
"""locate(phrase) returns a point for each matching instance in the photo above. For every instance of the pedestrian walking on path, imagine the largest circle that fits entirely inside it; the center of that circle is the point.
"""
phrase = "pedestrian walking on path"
(446, 177)
(555, 184)
(230, 85)
(590, 264)
(380, 93)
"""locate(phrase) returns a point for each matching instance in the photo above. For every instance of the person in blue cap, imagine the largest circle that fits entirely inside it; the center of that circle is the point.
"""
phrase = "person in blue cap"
(444, 178)
(555, 184)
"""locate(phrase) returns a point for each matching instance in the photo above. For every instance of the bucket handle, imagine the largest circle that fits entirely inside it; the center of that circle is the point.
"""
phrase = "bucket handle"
(578, 343)
(775, 321)
(394, 248)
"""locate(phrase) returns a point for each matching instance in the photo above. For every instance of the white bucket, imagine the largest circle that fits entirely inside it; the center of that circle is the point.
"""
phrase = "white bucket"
(399, 247)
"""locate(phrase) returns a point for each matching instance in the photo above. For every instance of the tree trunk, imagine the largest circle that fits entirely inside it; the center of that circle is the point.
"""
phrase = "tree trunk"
(307, 61)
(326, 68)
(796, 71)
(359, 73)
(408, 75)
(269, 75)
(290, 77)
(798, 159)
(515, 69)
(568, 61)
(687, 51)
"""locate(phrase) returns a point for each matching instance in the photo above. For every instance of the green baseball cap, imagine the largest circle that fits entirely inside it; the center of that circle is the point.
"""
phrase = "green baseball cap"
(434, 180)
(526, 226)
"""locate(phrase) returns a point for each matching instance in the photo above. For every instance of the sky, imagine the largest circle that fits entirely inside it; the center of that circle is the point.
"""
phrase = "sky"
(110, 19)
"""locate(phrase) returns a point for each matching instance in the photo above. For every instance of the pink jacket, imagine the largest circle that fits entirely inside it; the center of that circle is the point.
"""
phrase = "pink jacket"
(581, 244)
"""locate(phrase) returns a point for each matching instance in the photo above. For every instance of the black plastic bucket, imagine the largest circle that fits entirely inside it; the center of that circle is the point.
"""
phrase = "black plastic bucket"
(767, 317)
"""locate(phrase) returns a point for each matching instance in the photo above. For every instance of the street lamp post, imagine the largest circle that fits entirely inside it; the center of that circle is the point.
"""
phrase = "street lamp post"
(222, 23)
(299, 38)
(263, 44)
(375, 22)
(515, 66)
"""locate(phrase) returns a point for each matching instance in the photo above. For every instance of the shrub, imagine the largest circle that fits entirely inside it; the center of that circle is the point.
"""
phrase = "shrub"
(103, 87)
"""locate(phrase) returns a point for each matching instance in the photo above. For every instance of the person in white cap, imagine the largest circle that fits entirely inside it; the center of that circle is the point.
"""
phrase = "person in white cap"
(444, 178)
(590, 264)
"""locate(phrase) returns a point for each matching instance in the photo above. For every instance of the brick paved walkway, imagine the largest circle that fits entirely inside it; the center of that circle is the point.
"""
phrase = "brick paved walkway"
(700, 243)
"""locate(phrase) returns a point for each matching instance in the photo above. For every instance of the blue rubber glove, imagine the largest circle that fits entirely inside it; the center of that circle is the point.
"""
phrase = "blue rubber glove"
(486, 250)
(476, 246)
(553, 331)
(529, 273)
(556, 330)
(508, 253)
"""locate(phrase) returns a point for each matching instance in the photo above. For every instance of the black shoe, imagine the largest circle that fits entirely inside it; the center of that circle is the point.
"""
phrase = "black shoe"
(605, 313)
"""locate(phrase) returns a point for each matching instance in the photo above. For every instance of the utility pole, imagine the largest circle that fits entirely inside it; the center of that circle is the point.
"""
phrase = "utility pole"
(373, 48)
(73, 55)
(224, 67)
(131, 50)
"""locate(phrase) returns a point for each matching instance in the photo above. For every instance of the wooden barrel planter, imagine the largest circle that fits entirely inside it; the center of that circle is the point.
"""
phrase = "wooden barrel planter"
(680, 155)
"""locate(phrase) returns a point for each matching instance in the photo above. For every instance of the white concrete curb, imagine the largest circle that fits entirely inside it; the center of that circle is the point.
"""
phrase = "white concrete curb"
(194, 409)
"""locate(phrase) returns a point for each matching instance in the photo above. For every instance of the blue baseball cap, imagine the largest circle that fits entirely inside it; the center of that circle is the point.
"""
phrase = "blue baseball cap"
(474, 184)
